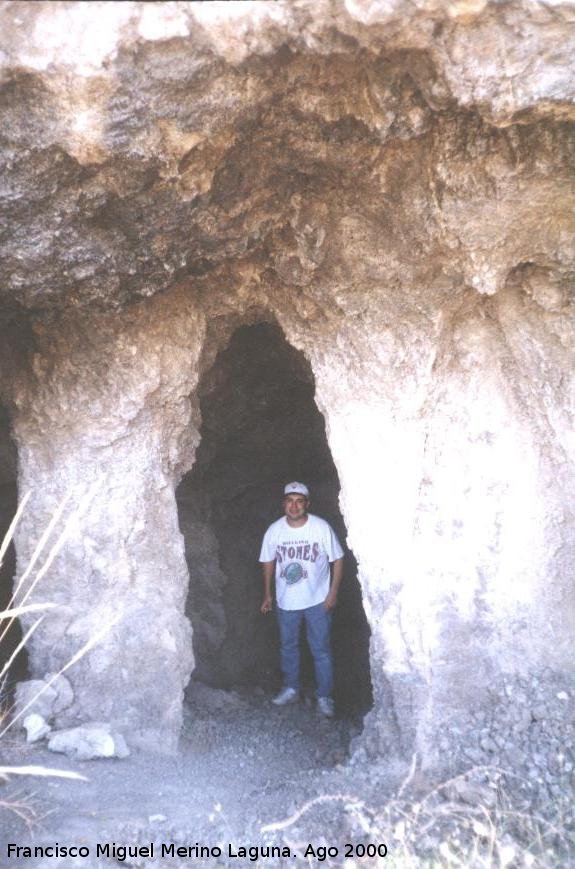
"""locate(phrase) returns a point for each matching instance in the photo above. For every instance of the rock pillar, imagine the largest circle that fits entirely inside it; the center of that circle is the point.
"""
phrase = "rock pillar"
(452, 444)
(107, 405)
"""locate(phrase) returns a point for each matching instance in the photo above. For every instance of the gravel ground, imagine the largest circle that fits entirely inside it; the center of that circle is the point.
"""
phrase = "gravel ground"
(243, 764)
(250, 775)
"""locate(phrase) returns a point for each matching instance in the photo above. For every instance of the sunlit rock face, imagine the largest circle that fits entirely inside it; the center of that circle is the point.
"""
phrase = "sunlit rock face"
(393, 186)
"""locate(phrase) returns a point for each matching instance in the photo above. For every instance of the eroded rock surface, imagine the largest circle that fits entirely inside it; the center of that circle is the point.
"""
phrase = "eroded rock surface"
(43, 697)
(143, 145)
(393, 186)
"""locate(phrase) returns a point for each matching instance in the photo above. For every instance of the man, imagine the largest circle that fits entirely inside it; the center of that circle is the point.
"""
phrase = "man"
(302, 547)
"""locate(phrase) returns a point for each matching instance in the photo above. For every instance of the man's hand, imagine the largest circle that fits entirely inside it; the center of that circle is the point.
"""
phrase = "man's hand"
(330, 601)
(336, 578)
(268, 574)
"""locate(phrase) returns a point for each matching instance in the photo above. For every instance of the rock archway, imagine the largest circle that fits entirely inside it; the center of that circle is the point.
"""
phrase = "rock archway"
(260, 426)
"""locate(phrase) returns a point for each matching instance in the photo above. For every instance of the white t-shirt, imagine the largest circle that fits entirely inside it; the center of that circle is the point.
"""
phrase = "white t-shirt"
(302, 556)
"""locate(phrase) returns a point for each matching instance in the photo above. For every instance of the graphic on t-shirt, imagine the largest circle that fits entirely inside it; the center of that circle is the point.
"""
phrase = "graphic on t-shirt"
(302, 557)
(293, 572)
(304, 551)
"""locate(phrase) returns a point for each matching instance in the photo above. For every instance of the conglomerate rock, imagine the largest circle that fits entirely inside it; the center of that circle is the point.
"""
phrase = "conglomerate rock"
(393, 185)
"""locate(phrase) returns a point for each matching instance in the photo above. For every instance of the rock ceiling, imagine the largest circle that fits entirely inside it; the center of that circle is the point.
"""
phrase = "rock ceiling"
(147, 145)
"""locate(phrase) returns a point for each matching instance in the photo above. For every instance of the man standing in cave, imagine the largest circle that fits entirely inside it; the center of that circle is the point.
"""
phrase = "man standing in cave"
(307, 559)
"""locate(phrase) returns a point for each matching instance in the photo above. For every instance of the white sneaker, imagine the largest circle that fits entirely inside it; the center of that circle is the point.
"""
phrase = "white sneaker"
(325, 706)
(286, 695)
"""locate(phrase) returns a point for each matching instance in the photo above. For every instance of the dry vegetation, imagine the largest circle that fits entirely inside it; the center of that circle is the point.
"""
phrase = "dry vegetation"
(467, 822)
(40, 562)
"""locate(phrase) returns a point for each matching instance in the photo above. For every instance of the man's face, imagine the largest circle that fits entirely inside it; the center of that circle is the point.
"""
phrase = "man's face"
(295, 506)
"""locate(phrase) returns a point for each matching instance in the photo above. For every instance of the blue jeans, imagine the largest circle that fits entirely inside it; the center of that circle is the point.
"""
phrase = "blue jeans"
(318, 624)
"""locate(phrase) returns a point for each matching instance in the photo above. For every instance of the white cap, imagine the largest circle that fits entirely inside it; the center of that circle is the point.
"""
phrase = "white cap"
(296, 489)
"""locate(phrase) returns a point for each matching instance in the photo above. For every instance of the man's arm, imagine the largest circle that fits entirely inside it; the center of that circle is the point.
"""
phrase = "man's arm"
(336, 578)
(268, 574)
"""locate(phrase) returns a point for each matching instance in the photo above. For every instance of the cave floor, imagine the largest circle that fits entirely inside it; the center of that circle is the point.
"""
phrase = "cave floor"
(243, 764)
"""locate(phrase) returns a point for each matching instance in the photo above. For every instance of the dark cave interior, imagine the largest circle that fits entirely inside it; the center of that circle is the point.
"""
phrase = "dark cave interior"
(260, 429)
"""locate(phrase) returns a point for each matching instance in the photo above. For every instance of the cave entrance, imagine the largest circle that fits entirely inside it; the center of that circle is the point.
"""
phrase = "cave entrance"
(8, 504)
(260, 429)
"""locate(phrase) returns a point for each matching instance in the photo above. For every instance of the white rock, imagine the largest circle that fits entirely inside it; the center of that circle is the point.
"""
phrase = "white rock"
(36, 727)
(89, 741)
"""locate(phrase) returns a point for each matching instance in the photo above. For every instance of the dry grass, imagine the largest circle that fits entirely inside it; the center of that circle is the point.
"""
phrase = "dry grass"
(471, 821)
(42, 558)
(25, 807)
(467, 822)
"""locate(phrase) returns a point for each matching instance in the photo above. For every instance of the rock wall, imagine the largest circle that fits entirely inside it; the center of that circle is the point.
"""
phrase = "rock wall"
(394, 187)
